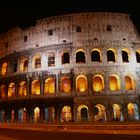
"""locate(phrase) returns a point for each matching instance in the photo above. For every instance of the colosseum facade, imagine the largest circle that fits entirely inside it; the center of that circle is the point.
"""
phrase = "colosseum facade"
(82, 67)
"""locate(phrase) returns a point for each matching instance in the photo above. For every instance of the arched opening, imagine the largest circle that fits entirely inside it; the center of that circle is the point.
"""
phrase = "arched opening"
(4, 69)
(36, 61)
(22, 89)
(99, 113)
(15, 66)
(11, 90)
(114, 83)
(81, 83)
(35, 87)
(66, 115)
(24, 64)
(2, 91)
(65, 84)
(12, 115)
(51, 59)
(137, 56)
(80, 56)
(36, 114)
(49, 86)
(98, 83)
(2, 115)
(133, 111)
(96, 56)
(22, 115)
(65, 58)
(117, 113)
(129, 83)
(82, 113)
(111, 55)
(125, 56)
(50, 115)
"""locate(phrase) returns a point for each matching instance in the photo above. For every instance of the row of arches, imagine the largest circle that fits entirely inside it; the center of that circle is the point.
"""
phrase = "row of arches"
(66, 114)
(65, 85)
(96, 56)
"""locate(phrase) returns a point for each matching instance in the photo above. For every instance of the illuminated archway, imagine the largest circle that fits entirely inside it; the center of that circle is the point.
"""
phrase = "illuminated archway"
(81, 83)
(129, 83)
(36, 61)
(51, 59)
(2, 91)
(11, 90)
(35, 87)
(114, 82)
(133, 111)
(50, 114)
(49, 86)
(82, 113)
(99, 113)
(4, 69)
(22, 115)
(36, 114)
(98, 83)
(65, 84)
(66, 115)
(111, 55)
(117, 113)
(80, 56)
(24, 64)
(96, 55)
(22, 89)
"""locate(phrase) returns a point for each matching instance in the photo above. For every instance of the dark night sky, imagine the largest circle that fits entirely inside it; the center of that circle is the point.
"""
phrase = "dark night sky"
(24, 13)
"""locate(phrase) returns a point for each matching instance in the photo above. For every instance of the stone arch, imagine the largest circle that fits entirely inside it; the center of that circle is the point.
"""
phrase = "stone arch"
(99, 112)
(36, 114)
(49, 87)
(82, 113)
(137, 53)
(114, 82)
(2, 91)
(22, 90)
(65, 84)
(4, 69)
(51, 59)
(98, 83)
(22, 115)
(111, 55)
(125, 55)
(24, 64)
(96, 55)
(117, 112)
(129, 83)
(36, 61)
(80, 56)
(35, 87)
(133, 111)
(11, 90)
(65, 58)
(81, 83)
(66, 115)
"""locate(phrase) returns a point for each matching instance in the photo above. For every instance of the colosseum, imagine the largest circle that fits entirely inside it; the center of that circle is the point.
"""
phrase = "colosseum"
(82, 67)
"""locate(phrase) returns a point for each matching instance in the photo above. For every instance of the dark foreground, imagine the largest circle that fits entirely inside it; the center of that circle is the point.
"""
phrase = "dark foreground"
(12, 134)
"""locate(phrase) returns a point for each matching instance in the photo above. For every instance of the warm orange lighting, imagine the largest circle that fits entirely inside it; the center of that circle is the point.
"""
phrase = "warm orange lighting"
(11, 90)
(4, 69)
(81, 84)
(49, 86)
(36, 114)
(128, 83)
(36, 87)
(22, 88)
(98, 84)
(114, 83)
(65, 85)
(66, 114)
(2, 89)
